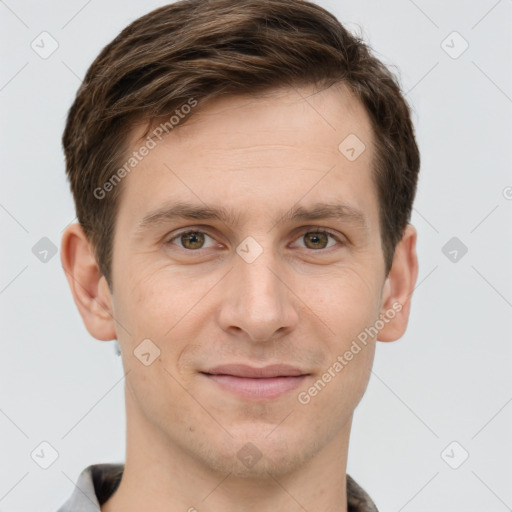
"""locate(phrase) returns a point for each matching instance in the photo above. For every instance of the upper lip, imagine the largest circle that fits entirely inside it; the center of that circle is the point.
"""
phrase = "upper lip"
(242, 370)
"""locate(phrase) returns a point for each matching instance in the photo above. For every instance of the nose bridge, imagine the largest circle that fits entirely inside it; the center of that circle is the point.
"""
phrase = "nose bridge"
(256, 274)
(259, 301)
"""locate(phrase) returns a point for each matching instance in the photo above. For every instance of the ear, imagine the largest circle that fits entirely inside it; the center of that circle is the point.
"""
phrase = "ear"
(398, 288)
(89, 287)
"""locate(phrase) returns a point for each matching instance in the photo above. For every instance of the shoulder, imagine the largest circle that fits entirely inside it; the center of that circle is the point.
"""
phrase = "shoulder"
(357, 498)
(94, 486)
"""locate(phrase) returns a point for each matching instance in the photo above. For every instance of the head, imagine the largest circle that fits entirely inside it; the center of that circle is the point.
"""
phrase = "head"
(243, 174)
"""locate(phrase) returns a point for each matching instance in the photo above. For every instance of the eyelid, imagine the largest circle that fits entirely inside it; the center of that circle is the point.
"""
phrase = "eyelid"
(298, 233)
(318, 229)
(190, 229)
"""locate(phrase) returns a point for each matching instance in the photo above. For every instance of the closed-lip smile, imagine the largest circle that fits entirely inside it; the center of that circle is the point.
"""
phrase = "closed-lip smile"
(251, 382)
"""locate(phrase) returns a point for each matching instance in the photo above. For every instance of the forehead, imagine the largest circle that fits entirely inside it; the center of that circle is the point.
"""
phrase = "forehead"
(290, 114)
(281, 148)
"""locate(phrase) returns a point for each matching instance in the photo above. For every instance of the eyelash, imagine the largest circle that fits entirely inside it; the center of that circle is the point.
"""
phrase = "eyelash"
(312, 229)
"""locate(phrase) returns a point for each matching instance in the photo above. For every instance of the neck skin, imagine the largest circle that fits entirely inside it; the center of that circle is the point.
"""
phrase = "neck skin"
(161, 477)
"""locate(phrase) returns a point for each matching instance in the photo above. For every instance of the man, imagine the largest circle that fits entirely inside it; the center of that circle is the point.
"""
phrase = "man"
(243, 173)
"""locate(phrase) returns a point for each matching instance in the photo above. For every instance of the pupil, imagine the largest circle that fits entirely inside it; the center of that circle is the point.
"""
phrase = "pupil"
(196, 239)
(316, 237)
(193, 239)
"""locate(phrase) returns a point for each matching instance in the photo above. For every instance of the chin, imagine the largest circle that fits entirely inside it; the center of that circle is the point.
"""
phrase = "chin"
(258, 457)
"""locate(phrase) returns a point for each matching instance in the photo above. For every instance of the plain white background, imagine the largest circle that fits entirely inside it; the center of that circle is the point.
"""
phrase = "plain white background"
(448, 379)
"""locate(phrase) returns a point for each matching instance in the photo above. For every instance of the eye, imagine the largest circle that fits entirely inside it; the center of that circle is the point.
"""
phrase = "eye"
(191, 240)
(194, 240)
(318, 239)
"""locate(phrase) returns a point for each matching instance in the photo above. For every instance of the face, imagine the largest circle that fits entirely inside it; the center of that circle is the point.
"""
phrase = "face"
(255, 278)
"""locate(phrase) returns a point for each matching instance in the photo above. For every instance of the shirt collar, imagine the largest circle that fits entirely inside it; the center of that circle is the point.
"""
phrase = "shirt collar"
(97, 482)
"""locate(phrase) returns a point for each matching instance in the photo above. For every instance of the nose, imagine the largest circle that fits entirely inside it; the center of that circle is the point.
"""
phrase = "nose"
(258, 302)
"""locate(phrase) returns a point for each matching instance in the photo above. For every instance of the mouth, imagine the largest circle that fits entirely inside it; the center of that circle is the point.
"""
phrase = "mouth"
(249, 382)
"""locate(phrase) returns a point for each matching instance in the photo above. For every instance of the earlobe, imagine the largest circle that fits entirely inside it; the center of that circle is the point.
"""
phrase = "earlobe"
(398, 288)
(88, 286)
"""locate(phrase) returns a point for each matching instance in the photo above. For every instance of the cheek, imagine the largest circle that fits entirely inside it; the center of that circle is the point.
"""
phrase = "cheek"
(156, 298)
(341, 382)
(151, 307)
(348, 306)
(166, 306)
(347, 302)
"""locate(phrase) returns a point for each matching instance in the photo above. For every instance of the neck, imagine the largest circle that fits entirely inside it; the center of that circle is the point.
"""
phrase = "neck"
(160, 475)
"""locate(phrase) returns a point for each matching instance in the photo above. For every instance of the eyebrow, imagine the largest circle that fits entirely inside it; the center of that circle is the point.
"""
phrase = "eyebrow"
(184, 210)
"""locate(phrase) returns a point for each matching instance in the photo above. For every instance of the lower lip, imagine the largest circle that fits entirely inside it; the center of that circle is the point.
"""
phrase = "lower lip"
(257, 388)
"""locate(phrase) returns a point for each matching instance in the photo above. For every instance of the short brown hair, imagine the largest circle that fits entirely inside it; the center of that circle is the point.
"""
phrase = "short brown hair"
(203, 49)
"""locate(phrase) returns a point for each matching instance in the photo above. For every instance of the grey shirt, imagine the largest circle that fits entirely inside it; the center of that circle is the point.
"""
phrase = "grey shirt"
(97, 483)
